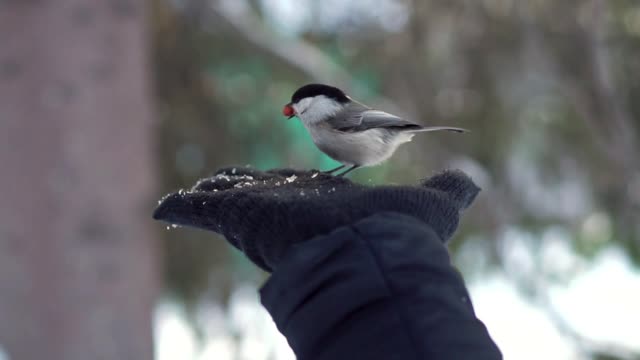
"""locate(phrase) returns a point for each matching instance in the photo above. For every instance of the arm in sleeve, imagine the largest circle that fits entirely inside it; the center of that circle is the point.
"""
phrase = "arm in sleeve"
(383, 288)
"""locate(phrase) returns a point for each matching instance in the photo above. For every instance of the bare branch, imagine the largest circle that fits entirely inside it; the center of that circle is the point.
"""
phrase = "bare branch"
(294, 51)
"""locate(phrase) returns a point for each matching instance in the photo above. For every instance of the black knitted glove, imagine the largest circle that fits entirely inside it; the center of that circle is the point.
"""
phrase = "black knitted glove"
(263, 213)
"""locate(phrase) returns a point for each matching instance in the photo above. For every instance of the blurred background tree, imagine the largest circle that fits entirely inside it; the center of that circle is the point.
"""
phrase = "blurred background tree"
(78, 262)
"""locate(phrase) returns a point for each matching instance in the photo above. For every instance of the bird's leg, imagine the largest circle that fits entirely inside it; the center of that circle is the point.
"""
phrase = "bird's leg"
(333, 170)
(348, 170)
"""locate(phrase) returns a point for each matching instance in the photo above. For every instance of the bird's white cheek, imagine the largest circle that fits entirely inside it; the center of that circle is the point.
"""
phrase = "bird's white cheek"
(318, 109)
(302, 106)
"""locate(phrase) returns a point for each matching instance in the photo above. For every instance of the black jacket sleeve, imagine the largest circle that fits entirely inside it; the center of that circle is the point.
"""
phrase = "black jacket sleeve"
(383, 288)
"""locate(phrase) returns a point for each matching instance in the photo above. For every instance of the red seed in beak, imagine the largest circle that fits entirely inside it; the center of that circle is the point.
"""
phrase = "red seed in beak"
(288, 111)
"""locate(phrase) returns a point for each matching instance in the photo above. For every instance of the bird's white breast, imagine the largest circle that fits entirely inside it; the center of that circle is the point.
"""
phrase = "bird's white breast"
(366, 148)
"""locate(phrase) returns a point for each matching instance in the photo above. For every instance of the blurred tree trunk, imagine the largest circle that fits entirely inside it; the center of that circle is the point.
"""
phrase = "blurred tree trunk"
(77, 261)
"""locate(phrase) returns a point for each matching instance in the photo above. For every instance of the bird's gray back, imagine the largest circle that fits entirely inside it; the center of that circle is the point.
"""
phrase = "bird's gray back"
(356, 117)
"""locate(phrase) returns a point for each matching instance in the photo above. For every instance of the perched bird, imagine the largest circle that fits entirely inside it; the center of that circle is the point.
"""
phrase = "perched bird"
(348, 131)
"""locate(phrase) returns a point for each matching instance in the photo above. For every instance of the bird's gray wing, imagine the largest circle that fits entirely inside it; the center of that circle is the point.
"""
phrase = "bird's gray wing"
(356, 117)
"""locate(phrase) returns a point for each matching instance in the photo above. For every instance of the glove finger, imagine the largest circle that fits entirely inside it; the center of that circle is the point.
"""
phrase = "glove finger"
(193, 209)
(222, 182)
(456, 184)
(313, 180)
(233, 171)
(286, 172)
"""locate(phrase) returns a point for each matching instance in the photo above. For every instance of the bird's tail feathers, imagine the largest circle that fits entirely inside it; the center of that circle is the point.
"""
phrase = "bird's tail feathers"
(438, 128)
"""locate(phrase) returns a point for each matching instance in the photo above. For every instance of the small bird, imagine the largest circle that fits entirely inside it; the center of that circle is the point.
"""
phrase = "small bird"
(348, 131)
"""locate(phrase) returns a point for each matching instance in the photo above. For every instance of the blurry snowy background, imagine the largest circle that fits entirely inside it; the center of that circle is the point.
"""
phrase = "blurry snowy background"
(549, 90)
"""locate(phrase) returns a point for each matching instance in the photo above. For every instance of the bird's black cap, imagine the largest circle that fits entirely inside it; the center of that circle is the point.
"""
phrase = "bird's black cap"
(312, 90)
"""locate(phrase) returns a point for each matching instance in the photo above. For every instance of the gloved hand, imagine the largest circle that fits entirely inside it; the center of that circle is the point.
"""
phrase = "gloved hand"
(263, 213)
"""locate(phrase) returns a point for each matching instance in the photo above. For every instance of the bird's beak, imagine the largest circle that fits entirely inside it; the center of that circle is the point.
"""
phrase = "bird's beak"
(288, 111)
